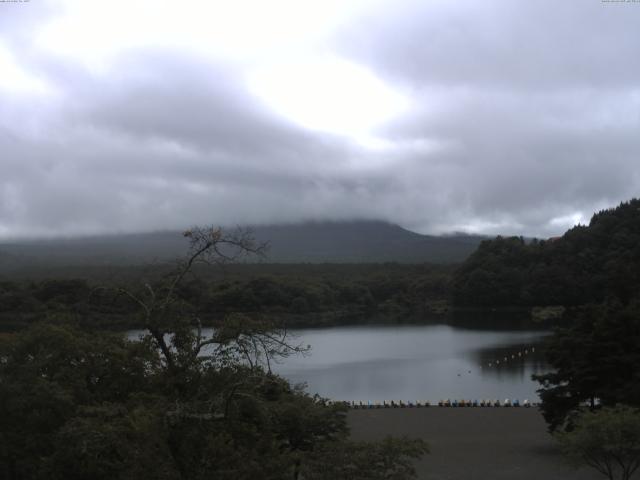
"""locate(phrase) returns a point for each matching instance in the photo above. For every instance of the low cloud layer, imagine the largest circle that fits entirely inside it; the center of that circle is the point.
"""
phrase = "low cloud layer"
(520, 118)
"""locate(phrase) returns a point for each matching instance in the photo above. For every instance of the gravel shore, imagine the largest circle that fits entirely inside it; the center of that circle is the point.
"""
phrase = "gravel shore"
(473, 443)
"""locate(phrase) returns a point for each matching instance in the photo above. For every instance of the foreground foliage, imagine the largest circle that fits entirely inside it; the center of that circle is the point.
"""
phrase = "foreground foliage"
(81, 405)
(596, 362)
(607, 440)
(174, 404)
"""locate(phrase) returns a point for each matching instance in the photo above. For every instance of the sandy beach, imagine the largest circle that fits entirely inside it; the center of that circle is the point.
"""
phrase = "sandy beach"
(473, 443)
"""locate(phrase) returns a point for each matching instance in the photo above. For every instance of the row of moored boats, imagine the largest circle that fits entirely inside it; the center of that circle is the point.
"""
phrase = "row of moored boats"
(442, 403)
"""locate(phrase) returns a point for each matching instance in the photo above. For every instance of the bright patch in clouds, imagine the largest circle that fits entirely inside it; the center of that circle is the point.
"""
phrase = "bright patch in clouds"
(14, 78)
(565, 222)
(328, 94)
(241, 30)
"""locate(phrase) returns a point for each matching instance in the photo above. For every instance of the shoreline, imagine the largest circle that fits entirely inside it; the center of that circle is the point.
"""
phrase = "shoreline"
(448, 403)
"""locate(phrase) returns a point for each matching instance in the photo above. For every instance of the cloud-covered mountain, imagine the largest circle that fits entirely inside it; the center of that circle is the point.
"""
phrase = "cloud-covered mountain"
(317, 242)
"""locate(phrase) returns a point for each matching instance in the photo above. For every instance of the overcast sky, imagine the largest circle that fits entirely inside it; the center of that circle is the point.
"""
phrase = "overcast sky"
(511, 117)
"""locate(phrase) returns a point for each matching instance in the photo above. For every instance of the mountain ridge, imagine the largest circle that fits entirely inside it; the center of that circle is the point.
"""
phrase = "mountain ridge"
(358, 241)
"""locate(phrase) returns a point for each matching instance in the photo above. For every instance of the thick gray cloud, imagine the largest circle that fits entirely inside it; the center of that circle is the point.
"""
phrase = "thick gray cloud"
(539, 100)
(523, 118)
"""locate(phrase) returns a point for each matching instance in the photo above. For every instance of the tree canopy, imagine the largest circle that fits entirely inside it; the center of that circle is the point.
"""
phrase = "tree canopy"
(607, 440)
(596, 360)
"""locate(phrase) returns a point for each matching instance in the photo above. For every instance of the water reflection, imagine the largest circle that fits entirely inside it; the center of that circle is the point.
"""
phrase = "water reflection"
(428, 362)
(493, 320)
(516, 361)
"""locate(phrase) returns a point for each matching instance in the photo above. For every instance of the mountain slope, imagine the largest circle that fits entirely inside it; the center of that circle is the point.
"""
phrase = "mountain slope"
(363, 241)
(316, 242)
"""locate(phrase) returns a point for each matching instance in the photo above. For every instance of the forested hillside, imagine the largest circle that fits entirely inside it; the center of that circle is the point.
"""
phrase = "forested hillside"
(300, 295)
(587, 264)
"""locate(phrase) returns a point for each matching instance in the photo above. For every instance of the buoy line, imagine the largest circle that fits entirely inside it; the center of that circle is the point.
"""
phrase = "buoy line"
(507, 358)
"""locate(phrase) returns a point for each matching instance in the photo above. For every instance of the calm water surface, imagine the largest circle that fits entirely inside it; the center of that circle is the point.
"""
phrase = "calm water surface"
(427, 362)
(416, 362)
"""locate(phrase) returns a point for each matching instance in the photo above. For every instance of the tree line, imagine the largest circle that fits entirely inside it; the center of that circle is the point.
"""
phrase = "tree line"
(301, 295)
(589, 263)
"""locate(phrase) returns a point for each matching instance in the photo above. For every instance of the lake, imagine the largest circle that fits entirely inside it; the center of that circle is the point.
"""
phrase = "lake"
(418, 363)
(469, 360)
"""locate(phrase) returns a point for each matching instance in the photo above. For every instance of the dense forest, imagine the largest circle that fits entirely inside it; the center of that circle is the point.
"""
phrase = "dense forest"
(300, 295)
(587, 264)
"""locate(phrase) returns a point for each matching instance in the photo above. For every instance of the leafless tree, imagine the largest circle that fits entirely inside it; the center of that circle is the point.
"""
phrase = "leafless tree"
(180, 339)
